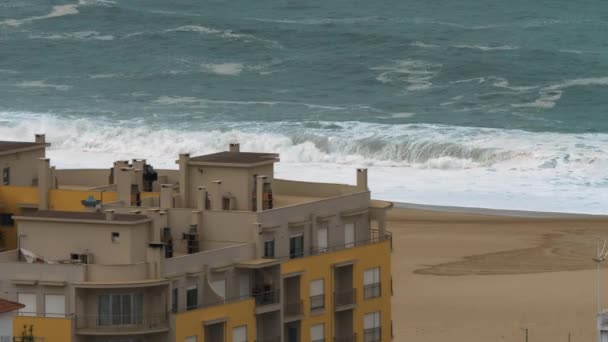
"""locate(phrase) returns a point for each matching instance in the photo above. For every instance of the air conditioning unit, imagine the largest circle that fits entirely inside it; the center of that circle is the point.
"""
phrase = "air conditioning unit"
(81, 258)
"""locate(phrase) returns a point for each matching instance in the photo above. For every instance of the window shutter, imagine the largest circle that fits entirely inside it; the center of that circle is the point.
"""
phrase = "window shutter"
(316, 287)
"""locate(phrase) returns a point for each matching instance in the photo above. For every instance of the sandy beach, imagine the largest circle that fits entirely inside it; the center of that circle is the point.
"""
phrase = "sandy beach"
(484, 277)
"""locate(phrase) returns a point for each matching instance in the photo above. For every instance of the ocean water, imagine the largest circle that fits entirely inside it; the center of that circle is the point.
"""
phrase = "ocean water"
(497, 104)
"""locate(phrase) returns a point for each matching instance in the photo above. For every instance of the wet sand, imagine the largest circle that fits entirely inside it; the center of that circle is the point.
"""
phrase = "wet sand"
(486, 277)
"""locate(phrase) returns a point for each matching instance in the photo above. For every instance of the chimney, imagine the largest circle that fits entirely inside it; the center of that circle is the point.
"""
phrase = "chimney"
(119, 164)
(40, 139)
(138, 165)
(124, 180)
(259, 196)
(201, 202)
(216, 195)
(109, 215)
(235, 147)
(44, 183)
(166, 196)
(184, 191)
(362, 180)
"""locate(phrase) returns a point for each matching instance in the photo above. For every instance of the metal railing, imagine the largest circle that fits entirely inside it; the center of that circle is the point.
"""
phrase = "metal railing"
(317, 302)
(346, 338)
(375, 237)
(292, 309)
(372, 291)
(268, 297)
(218, 301)
(119, 323)
(345, 297)
(372, 335)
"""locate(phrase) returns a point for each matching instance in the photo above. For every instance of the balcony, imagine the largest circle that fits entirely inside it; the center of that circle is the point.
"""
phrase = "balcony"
(292, 311)
(345, 299)
(346, 338)
(267, 301)
(372, 335)
(130, 324)
(371, 291)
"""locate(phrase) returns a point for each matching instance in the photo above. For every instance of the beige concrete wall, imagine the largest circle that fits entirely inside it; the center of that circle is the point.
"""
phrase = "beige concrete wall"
(235, 182)
(280, 223)
(108, 273)
(56, 240)
(23, 166)
(193, 263)
(310, 189)
(83, 177)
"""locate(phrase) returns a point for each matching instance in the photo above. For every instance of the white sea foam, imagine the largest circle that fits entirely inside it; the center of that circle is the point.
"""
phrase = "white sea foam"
(415, 74)
(224, 69)
(430, 164)
(57, 11)
(225, 34)
(104, 76)
(81, 35)
(424, 45)
(486, 47)
(549, 95)
(42, 84)
(317, 21)
(199, 102)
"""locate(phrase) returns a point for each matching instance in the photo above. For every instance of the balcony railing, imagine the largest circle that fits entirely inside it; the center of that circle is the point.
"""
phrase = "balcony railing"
(346, 338)
(372, 291)
(345, 297)
(372, 335)
(268, 297)
(293, 309)
(317, 302)
(375, 237)
(117, 323)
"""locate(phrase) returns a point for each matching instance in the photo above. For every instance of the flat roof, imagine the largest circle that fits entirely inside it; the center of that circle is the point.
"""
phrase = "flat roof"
(89, 216)
(8, 306)
(236, 158)
(8, 146)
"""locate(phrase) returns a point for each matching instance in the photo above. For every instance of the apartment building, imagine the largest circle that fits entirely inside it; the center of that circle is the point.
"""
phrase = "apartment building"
(218, 250)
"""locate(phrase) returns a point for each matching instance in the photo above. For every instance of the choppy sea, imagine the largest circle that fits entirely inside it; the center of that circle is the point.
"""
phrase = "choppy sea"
(496, 104)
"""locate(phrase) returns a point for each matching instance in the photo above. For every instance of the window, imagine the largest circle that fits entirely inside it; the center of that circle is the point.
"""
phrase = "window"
(317, 333)
(120, 309)
(371, 327)
(115, 237)
(191, 298)
(6, 220)
(190, 339)
(29, 300)
(296, 246)
(175, 299)
(54, 306)
(317, 294)
(269, 249)
(349, 235)
(322, 239)
(6, 176)
(239, 334)
(371, 283)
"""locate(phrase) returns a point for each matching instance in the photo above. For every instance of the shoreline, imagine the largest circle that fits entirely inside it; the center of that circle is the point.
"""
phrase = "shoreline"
(496, 212)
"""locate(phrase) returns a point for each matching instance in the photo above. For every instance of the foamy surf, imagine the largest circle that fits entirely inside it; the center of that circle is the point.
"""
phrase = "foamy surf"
(430, 164)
